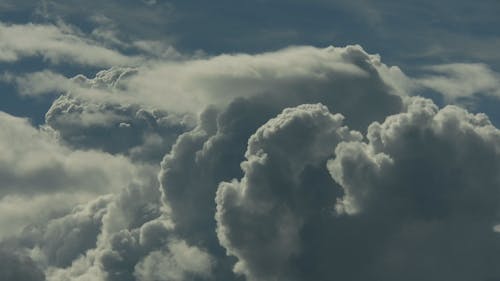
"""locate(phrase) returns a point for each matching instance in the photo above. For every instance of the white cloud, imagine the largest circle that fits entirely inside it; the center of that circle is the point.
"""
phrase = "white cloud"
(37, 170)
(461, 80)
(341, 74)
(56, 45)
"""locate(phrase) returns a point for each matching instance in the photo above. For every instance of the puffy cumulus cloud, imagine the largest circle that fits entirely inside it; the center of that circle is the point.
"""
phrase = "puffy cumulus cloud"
(400, 205)
(213, 151)
(133, 239)
(114, 112)
(261, 218)
(56, 44)
(130, 256)
(249, 187)
(150, 252)
(199, 160)
(62, 240)
(105, 238)
(426, 188)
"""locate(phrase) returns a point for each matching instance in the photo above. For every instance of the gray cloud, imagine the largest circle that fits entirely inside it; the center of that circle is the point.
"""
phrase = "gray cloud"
(427, 182)
(141, 133)
(64, 239)
(401, 206)
(261, 217)
(246, 186)
(18, 266)
(213, 151)
(180, 262)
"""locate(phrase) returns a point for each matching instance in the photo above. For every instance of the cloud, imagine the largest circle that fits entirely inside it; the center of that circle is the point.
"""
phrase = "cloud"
(139, 132)
(180, 263)
(34, 162)
(56, 45)
(397, 207)
(83, 121)
(260, 217)
(462, 80)
(118, 237)
(343, 76)
(213, 151)
(269, 182)
(39, 83)
(17, 266)
(425, 181)
(37, 170)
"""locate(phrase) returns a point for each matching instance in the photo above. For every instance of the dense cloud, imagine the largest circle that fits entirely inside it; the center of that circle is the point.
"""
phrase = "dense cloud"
(18, 266)
(261, 217)
(418, 201)
(212, 152)
(299, 164)
(429, 179)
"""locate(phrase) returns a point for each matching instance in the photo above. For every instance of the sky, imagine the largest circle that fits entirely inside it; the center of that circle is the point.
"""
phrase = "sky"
(250, 140)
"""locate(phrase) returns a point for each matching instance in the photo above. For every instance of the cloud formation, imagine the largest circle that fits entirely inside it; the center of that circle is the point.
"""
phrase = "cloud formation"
(427, 179)
(298, 164)
(260, 217)
(343, 76)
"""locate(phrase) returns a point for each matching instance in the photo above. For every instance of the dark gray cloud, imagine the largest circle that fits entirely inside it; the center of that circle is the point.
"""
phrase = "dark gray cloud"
(427, 181)
(18, 266)
(260, 218)
(213, 151)
(400, 207)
